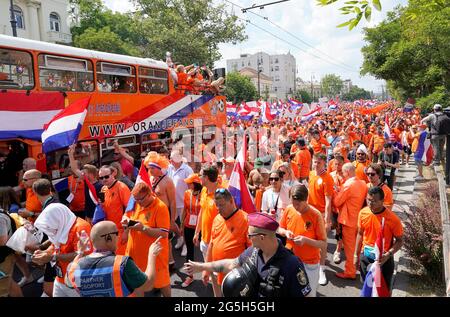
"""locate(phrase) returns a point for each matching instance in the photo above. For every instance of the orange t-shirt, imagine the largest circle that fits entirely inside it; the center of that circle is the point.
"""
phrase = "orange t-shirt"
(209, 212)
(77, 189)
(360, 170)
(229, 237)
(72, 244)
(317, 145)
(349, 200)
(303, 160)
(116, 201)
(388, 196)
(309, 224)
(371, 224)
(258, 199)
(377, 143)
(319, 186)
(32, 202)
(154, 216)
(331, 168)
(192, 207)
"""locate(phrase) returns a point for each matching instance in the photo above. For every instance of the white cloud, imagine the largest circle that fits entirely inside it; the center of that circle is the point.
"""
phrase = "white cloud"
(314, 24)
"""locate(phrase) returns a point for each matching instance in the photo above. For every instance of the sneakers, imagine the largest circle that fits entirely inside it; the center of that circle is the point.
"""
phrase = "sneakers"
(184, 251)
(188, 281)
(25, 280)
(322, 277)
(337, 257)
(180, 243)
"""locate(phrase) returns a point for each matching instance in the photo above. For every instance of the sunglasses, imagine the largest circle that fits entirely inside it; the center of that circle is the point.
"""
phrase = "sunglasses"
(274, 179)
(104, 177)
(28, 179)
(116, 233)
(371, 174)
(220, 190)
(250, 235)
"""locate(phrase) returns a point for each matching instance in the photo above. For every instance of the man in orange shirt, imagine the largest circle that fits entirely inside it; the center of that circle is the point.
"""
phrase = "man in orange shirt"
(376, 144)
(208, 210)
(116, 197)
(76, 198)
(304, 228)
(150, 220)
(370, 220)
(349, 200)
(319, 143)
(303, 160)
(320, 196)
(361, 163)
(32, 205)
(228, 235)
(63, 229)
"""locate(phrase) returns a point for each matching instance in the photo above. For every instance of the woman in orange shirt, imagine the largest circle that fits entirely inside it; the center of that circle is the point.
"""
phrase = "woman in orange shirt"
(149, 220)
(189, 218)
(304, 228)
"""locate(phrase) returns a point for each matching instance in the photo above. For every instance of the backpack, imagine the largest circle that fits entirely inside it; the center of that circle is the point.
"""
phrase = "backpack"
(442, 125)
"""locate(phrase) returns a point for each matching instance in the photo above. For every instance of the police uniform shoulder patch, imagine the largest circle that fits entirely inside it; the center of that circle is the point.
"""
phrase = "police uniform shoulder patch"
(301, 277)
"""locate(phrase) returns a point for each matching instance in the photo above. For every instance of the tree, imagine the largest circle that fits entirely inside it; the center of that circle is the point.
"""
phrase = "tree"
(303, 96)
(239, 88)
(356, 93)
(364, 7)
(191, 30)
(412, 55)
(331, 85)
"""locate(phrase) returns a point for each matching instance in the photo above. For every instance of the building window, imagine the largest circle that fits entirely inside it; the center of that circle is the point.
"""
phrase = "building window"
(277, 68)
(276, 60)
(54, 22)
(18, 15)
(249, 64)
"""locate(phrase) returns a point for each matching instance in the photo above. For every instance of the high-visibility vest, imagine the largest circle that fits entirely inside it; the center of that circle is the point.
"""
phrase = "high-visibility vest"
(99, 276)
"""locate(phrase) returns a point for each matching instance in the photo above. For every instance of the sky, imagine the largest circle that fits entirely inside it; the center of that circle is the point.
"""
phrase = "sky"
(307, 22)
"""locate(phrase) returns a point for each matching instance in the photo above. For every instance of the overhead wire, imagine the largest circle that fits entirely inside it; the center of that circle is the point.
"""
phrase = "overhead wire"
(331, 60)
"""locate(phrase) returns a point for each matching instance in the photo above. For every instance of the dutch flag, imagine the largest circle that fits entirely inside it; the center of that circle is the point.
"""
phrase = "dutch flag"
(63, 130)
(141, 178)
(387, 129)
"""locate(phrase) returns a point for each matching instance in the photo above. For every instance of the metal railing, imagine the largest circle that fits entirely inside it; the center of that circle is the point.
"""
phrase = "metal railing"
(445, 218)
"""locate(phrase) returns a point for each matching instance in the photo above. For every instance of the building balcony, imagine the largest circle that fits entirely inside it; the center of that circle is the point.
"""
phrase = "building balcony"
(59, 37)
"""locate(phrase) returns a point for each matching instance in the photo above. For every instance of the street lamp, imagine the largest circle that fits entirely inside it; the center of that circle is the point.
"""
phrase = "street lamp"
(13, 19)
(259, 83)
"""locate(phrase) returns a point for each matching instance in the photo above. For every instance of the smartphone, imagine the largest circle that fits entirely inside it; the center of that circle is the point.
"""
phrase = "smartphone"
(132, 223)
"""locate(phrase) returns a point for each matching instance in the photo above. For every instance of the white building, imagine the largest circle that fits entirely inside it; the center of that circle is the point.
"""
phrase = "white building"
(281, 68)
(41, 20)
(314, 89)
(347, 86)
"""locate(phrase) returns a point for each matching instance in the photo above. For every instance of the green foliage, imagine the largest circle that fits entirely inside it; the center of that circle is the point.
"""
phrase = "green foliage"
(191, 30)
(331, 85)
(440, 95)
(239, 88)
(423, 234)
(303, 96)
(413, 55)
(356, 93)
(358, 9)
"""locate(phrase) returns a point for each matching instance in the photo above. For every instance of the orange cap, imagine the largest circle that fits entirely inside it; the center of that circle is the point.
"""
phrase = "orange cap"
(194, 178)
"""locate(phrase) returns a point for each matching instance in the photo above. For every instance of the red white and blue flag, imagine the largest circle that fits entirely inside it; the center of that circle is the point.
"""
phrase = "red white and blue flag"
(141, 178)
(267, 115)
(24, 115)
(387, 128)
(238, 186)
(99, 213)
(63, 130)
(374, 283)
(424, 150)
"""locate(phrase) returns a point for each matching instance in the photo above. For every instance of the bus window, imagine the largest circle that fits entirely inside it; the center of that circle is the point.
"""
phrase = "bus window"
(115, 78)
(58, 164)
(153, 81)
(65, 74)
(16, 69)
(155, 141)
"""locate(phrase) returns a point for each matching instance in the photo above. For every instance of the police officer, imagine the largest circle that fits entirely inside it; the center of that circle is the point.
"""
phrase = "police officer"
(266, 269)
(104, 274)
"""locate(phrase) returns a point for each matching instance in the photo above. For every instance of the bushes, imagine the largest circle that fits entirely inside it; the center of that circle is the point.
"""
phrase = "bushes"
(423, 235)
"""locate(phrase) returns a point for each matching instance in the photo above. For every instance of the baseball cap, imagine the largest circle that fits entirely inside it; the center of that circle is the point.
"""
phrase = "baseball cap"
(437, 107)
(258, 163)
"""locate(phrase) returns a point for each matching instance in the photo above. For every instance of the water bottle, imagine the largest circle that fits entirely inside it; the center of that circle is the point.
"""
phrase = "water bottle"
(84, 238)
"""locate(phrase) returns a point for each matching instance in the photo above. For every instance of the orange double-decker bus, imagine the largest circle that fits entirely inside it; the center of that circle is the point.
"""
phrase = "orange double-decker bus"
(133, 100)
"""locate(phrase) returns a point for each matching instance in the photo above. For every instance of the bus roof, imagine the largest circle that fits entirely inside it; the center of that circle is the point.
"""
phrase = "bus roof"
(22, 43)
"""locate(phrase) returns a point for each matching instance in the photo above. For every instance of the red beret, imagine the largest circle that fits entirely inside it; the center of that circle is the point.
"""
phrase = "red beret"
(263, 221)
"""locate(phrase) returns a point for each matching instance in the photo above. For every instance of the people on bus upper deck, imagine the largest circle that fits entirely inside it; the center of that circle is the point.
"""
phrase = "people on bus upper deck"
(127, 167)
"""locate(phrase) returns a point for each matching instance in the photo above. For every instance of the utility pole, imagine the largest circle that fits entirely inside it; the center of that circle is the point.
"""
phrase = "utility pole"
(259, 71)
(312, 88)
(13, 18)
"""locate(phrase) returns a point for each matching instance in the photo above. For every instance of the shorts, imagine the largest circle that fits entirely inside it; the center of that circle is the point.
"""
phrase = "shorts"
(407, 150)
(418, 162)
(7, 269)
